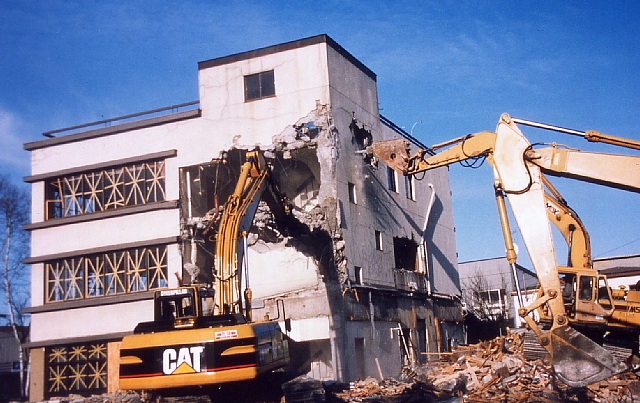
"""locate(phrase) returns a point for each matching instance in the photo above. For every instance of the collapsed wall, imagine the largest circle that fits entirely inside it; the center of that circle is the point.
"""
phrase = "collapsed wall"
(334, 316)
(302, 160)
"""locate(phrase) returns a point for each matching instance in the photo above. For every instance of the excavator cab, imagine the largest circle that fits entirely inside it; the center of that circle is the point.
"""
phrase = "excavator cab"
(183, 305)
(586, 295)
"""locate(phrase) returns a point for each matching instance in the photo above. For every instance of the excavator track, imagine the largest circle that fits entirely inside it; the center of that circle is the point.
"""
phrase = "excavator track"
(532, 349)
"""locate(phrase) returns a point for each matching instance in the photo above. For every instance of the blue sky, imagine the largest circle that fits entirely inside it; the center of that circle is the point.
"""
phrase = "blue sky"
(445, 69)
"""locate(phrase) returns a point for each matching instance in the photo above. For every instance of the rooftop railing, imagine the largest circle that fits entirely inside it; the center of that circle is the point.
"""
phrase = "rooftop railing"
(121, 119)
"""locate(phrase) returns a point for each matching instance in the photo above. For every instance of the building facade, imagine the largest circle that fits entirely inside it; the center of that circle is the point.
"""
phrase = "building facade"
(490, 291)
(368, 279)
(621, 271)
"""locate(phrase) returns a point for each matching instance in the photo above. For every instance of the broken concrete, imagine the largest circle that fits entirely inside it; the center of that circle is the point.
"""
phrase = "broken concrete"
(300, 156)
(494, 370)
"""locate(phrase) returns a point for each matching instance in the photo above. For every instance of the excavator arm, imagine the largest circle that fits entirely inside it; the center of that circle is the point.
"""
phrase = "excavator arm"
(570, 226)
(254, 184)
(611, 170)
(578, 361)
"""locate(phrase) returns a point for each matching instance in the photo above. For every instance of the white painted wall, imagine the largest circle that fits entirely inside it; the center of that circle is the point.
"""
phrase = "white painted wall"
(300, 78)
(92, 321)
(112, 231)
(305, 77)
(275, 270)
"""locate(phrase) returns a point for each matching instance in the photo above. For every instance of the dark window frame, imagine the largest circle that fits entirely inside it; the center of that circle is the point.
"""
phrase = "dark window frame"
(353, 193)
(259, 86)
(392, 180)
(378, 239)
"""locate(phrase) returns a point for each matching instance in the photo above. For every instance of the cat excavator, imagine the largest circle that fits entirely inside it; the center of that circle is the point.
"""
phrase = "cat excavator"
(520, 172)
(204, 335)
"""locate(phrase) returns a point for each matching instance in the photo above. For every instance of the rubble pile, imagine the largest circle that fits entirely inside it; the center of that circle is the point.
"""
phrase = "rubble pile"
(490, 371)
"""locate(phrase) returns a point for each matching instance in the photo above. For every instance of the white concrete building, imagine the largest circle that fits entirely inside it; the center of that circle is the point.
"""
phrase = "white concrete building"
(621, 271)
(110, 205)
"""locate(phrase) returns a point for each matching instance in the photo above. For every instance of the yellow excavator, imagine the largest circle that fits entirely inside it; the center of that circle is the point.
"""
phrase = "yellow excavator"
(202, 335)
(519, 171)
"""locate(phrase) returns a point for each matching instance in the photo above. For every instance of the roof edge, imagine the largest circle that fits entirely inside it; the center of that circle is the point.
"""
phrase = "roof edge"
(299, 43)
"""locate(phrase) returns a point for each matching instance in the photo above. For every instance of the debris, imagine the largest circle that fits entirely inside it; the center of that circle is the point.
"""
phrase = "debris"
(303, 389)
(494, 370)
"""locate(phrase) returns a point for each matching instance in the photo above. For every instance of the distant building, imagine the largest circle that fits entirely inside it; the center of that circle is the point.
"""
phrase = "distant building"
(10, 364)
(620, 270)
(489, 289)
(368, 284)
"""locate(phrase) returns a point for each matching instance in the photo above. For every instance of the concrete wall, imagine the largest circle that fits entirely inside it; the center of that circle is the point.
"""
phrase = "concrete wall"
(301, 80)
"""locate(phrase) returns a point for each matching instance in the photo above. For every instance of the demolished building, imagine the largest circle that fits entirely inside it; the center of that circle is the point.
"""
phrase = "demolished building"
(367, 275)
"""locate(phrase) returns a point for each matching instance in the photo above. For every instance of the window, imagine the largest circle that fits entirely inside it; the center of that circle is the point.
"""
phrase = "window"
(106, 189)
(352, 193)
(360, 357)
(410, 186)
(604, 298)
(392, 180)
(405, 253)
(260, 85)
(358, 274)
(378, 236)
(493, 303)
(493, 297)
(110, 273)
(586, 288)
(78, 368)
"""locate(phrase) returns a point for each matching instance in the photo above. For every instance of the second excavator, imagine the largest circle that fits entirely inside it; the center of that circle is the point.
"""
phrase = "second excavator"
(520, 171)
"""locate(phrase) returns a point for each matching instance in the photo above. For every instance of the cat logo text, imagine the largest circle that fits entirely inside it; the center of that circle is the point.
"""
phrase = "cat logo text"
(184, 360)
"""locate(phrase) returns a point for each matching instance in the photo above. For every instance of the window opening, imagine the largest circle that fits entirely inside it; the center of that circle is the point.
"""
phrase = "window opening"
(378, 238)
(352, 193)
(259, 85)
(405, 252)
(392, 180)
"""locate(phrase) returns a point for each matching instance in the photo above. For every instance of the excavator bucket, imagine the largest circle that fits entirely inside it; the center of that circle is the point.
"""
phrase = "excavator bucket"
(578, 361)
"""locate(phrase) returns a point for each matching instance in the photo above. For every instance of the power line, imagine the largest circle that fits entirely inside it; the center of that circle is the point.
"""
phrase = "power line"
(619, 247)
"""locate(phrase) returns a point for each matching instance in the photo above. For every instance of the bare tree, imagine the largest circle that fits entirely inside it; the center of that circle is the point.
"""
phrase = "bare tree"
(14, 246)
(484, 303)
